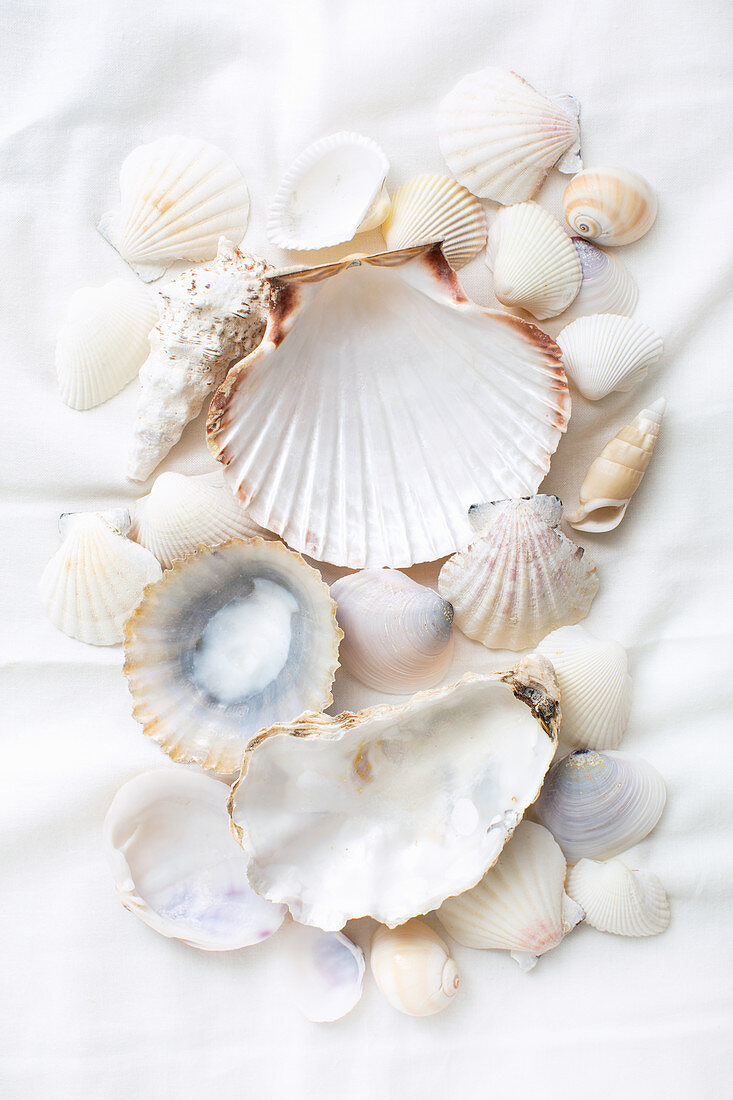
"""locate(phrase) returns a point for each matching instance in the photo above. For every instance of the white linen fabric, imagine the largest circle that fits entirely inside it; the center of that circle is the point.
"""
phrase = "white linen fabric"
(96, 1005)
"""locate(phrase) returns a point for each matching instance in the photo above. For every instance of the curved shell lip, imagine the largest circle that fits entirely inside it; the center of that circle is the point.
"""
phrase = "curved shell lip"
(582, 519)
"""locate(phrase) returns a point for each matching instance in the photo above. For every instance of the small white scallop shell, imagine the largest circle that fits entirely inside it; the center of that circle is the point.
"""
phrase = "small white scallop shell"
(534, 263)
(323, 970)
(607, 286)
(611, 206)
(607, 352)
(333, 190)
(500, 137)
(520, 904)
(413, 969)
(597, 804)
(103, 341)
(521, 577)
(595, 687)
(96, 578)
(619, 900)
(436, 208)
(398, 635)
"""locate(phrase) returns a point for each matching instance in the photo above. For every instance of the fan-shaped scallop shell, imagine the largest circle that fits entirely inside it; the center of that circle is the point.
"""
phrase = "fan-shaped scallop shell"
(413, 968)
(436, 208)
(607, 352)
(611, 206)
(619, 900)
(607, 286)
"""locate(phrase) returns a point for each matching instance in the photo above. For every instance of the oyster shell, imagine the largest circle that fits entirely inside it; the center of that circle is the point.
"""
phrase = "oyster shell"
(413, 968)
(612, 206)
(619, 900)
(436, 208)
(606, 352)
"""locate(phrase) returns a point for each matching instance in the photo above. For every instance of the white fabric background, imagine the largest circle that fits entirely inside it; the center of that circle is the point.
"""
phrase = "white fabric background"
(94, 1004)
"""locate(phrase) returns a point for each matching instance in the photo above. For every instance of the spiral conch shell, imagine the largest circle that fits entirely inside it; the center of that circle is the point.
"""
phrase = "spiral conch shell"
(611, 206)
(413, 968)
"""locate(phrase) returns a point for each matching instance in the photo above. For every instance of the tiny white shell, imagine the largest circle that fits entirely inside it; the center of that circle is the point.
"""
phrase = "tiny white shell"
(413, 969)
(607, 286)
(606, 352)
(619, 900)
(612, 206)
(324, 971)
(436, 208)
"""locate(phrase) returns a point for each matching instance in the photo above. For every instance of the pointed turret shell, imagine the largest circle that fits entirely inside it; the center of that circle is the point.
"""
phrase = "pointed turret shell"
(606, 352)
(413, 969)
(436, 208)
(611, 206)
(619, 900)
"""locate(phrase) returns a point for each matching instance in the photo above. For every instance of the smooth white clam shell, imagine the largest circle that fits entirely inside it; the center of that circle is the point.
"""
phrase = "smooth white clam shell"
(606, 352)
(619, 900)
(413, 969)
(612, 206)
(436, 208)
(324, 971)
(607, 286)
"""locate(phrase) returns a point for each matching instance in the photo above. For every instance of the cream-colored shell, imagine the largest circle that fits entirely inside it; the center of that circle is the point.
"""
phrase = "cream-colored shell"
(607, 286)
(611, 206)
(607, 352)
(436, 208)
(413, 968)
(619, 900)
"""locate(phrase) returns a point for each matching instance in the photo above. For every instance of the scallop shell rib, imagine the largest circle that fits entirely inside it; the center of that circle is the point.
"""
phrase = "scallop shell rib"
(387, 812)
(607, 352)
(534, 263)
(212, 316)
(413, 969)
(436, 208)
(616, 474)
(521, 578)
(611, 206)
(381, 404)
(619, 900)
(607, 286)
(324, 971)
(103, 341)
(500, 137)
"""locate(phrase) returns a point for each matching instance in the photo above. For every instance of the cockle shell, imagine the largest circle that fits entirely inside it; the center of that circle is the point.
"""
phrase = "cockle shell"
(212, 316)
(380, 405)
(617, 899)
(534, 263)
(520, 905)
(413, 969)
(176, 865)
(500, 137)
(96, 578)
(607, 286)
(229, 641)
(595, 687)
(521, 577)
(616, 474)
(398, 635)
(103, 341)
(324, 971)
(606, 352)
(387, 812)
(611, 206)
(597, 804)
(332, 191)
(178, 196)
(436, 208)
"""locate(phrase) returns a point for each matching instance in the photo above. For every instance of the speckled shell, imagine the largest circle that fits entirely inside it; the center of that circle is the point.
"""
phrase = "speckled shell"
(606, 352)
(619, 900)
(436, 208)
(413, 969)
(611, 206)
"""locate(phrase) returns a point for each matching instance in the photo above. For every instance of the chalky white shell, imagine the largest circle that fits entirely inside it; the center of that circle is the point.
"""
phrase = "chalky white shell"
(413, 969)
(436, 208)
(611, 206)
(323, 971)
(606, 352)
(619, 900)
(607, 286)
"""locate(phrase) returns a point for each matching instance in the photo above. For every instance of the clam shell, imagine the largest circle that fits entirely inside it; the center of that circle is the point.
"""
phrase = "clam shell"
(612, 206)
(521, 578)
(607, 286)
(500, 137)
(436, 208)
(597, 804)
(619, 900)
(534, 262)
(413, 969)
(324, 971)
(607, 352)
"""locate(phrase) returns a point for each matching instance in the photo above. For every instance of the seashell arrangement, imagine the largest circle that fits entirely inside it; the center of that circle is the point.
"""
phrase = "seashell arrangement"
(413, 968)
(612, 206)
(606, 352)
(619, 900)
(436, 208)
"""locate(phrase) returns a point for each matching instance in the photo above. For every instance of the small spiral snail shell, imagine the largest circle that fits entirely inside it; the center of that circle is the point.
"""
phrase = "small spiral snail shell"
(611, 206)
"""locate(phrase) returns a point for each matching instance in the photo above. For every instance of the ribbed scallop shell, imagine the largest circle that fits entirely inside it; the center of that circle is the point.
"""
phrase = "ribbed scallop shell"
(436, 208)
(619, 900)
(607, 352)
(413, 968)
(534, 263)
(324, 971)
(398, 635)
(595, 687)
(611, 206)
(607, 286)
(597, 804)
(521, 577)
(95, 580)
(520, 904)
(500, 137)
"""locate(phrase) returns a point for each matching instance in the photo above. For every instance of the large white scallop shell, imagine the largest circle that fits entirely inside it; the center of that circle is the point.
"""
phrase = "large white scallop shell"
(333, 190)
(611, 206)
(436, 208)
(521, 577)
(103, 341)
(619, 900)
(595, 687)
(324, 971)
(500, 137)
(534, 263)
(380, 405)
(176, 865)
(96, 578)
(597, 804)
(520, 905)
(607, 286)
(606, 352)
(413, 968)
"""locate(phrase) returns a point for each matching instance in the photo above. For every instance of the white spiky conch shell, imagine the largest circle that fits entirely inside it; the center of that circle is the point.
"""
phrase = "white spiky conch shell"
(387, 812)
(227, 642)
(436, 208)
(380, 405)
(96, 578)
(616, 474)
(178, 196)
(521, 577)
(103, 341)
(595, 687)
(333, 190)
(618, 899)
(598, 804)
(612, 206)
(607, 352)
(607, 286)
(176, 865)
(398, 635)
(534, 263)
(323, 971)
(500, 137)
(520, 905)
(413, 968)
